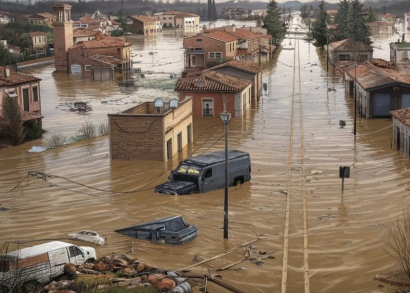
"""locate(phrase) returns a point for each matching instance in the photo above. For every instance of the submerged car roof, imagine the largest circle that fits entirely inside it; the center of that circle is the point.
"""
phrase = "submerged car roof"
(39, 249)
(215, 157)
(159, 221)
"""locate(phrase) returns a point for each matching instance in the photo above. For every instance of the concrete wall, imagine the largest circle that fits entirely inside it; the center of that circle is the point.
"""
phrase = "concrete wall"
(404, 130)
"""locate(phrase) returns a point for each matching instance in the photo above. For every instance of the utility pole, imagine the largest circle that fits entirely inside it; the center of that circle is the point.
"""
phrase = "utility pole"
(327, 54)
(260, 47)
(355, 97)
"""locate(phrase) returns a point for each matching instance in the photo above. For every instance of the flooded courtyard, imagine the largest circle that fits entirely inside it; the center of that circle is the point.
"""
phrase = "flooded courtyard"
(323, 239)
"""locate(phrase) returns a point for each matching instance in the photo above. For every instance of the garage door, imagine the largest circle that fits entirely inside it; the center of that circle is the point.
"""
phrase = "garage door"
(405, 101)
(381, 105)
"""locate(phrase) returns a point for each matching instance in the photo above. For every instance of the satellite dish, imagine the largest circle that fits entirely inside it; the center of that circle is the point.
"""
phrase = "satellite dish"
(159, 102)
(173, 103)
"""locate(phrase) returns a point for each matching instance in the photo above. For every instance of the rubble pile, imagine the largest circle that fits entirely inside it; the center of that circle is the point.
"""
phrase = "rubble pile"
(117, 270)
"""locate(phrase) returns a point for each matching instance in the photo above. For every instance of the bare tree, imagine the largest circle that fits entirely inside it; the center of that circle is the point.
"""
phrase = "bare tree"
(13, 122)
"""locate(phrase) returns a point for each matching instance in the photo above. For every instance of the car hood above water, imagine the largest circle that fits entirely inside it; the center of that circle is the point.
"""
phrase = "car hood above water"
(176, 187)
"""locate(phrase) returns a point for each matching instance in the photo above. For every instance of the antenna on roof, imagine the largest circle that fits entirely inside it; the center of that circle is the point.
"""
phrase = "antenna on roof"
(173, 103)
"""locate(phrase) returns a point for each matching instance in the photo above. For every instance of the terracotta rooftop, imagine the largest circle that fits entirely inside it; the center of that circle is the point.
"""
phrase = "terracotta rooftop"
(143, 18)
(37, 34)
(370, 76)
(349, 45)
(240, 65)
(403, 115)
(211, 81)
(379, 23)
(15, 78)
(82, 32)
(245, 34)
(105, 42)
(387, 15)
(107, 60)
(220, 36)
(43, 15)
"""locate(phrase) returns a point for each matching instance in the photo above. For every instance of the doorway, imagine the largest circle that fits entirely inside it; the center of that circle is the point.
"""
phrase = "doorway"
(398, 138)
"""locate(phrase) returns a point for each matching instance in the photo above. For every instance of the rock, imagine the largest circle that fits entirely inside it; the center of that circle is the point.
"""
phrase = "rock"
(166, 285)
(155, 279)
(140, 267)
(102, 287)
(134, 281)
(89, 266)
(119, 262)
(101, 267)
(122, 284)
(106, 259)
(127, 271)
(144, 278)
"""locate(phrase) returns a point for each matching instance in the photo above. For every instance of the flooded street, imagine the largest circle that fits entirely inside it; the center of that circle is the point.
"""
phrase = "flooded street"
(323, 240)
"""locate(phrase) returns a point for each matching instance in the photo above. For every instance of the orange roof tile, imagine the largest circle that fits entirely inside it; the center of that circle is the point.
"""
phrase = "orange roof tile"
(15, 78)
(143, 18)
(240, 65)
(245, 34)
(349, 45)
(82, 32)
(403, 115)
(211, 81)
(370, 76)
(220, 36)
(105, 42)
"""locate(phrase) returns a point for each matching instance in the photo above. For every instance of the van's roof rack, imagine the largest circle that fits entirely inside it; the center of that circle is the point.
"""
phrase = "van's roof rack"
(215, 157)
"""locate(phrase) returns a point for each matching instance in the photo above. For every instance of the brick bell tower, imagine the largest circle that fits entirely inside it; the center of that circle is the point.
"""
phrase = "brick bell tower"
(63, 35)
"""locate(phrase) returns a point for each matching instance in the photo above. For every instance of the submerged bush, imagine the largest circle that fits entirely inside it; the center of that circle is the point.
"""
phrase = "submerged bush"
(87, 131)
(103, 128)
(56, 140)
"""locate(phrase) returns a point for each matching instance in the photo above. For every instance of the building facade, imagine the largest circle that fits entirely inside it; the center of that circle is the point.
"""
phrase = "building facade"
(209, 90)
(380, 28)
(39, 41)
(348, 50)
(178, 19)
(401, 130)
(146, 132)
(145, 25)
(378, 91)
(26, 89)
(399, 52)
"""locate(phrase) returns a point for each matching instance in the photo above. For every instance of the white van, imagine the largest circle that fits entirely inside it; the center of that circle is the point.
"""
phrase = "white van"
(29, 268)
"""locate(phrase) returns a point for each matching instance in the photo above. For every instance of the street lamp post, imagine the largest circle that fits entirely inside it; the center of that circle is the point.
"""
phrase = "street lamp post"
(355, 100)
(226, 118)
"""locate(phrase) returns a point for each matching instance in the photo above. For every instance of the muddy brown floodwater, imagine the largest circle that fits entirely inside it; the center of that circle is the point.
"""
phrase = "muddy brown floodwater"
(323, 240)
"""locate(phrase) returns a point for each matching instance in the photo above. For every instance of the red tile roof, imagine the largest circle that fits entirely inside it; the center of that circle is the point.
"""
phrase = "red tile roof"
(45, 15)
(220, 36)
(15, 78)
(211, 81)
(37, 34)
(240, 65)
(143, 18)
(107, 60)
(370, 76)
(105, 42)
(349, 45)
(403, 115)
(82, 32)
(245, 34)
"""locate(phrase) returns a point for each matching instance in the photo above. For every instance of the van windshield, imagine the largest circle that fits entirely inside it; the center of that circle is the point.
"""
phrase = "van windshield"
(188, 170)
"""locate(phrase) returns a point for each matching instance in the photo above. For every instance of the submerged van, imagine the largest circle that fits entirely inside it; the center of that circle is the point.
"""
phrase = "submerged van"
(207, 172)
(25, 270)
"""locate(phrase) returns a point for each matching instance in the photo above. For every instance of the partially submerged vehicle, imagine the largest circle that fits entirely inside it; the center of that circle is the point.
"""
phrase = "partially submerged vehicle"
(207, 172)
(27, 269)
(88, 236)
(171, 230)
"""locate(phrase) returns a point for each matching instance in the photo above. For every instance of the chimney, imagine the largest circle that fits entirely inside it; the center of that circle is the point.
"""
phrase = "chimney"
(6, 72)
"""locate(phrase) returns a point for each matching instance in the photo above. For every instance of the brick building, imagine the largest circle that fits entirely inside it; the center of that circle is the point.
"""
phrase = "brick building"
(145, 25)
(146, 132)
(44, 18)
(97, 58)
(26, 89)
(178, 19)
(348, 50)
(209, 89)
(378, 90)
(243, 70)
(38, 41)
(401, 130)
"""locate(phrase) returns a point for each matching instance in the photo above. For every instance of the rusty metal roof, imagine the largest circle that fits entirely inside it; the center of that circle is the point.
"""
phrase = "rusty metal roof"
(403, 115)
(211, 81)
(349, 45)
(370, 76)
(240, 65)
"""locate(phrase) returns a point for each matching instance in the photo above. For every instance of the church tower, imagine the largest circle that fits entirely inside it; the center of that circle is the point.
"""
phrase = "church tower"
(63, 35)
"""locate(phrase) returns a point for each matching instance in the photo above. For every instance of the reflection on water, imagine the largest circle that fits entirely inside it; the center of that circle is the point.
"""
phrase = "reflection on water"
(88, 191)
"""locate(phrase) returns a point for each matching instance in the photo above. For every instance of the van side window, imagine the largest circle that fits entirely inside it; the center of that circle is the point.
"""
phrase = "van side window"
(208, 173)
(75, 251)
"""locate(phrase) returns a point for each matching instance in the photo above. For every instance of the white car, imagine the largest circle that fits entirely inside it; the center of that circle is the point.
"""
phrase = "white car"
(89, 236)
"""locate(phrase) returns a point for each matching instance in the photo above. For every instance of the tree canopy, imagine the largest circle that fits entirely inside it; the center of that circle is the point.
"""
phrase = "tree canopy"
(356, 23)
(320, 31)
(273, 23)
(6, 58)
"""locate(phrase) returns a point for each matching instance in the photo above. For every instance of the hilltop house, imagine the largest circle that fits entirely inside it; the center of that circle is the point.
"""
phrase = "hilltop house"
(348, 50)
(378, 90)
(26, 89)
(209, 89)
(399, 52)
(145, 25)
(44, 18)
(401, 130)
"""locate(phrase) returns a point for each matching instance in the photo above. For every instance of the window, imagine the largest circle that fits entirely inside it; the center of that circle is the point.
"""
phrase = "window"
(215, 55)
(189, 133)
(344, 57)
(179, 141)
(208, 107)
(26, 101)
(88, 68)
(199, 40)
(74, 251)
(208, 173)
(35, 94)
(118, 50)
